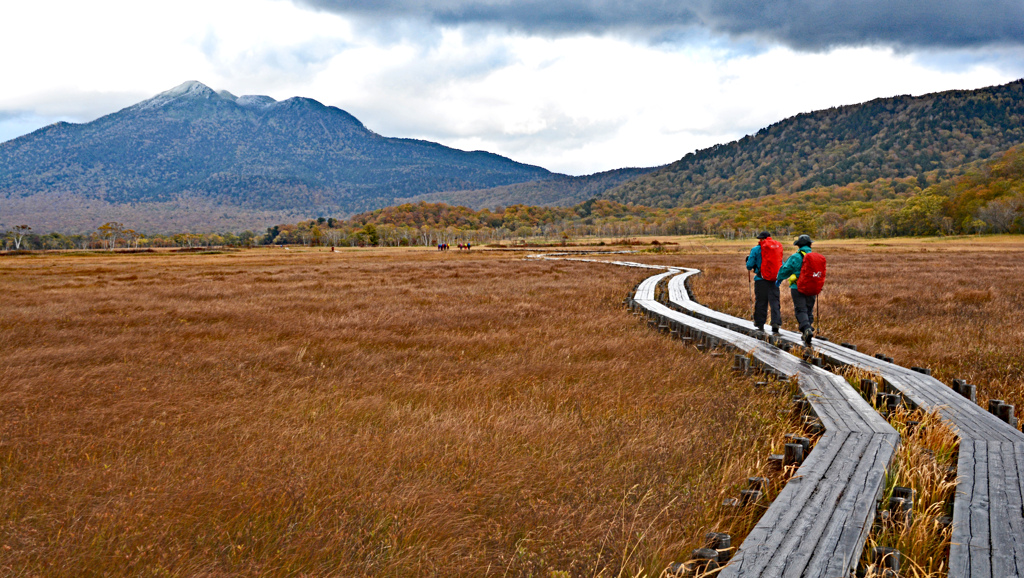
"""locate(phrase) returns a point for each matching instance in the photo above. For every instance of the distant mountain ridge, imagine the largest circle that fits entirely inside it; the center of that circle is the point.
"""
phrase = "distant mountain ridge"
(195, 158)
(894, 137)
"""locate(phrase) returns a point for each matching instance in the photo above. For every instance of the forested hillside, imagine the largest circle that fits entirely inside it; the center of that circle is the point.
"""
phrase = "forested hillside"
(887, 138)
(988, 197)
(556, 191)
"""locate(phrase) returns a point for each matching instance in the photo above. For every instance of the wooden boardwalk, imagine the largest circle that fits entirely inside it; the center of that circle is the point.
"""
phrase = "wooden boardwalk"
(988, 511)
(819, 522)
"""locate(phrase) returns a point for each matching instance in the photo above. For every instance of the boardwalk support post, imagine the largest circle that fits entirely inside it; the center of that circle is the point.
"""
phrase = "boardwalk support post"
(965, 389)
(1004, 411)
(741, 364)
(868, 388)
(750, 497)
(887, 560)
(720, 542)
(794, 454)
(993, 406)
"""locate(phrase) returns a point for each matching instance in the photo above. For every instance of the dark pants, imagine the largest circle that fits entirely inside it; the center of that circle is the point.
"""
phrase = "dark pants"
(766, 295)
(803, 307)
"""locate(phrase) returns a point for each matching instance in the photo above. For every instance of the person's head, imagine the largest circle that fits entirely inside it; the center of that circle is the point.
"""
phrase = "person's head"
(803, 241)
(763, 235)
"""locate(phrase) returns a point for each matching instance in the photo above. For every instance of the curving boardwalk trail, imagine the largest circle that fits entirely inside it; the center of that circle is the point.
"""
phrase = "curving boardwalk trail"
(819, 522)
(988, 512)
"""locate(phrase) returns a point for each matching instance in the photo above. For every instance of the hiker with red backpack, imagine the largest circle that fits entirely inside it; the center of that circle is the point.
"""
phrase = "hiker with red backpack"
(807, 269)
(764, 260)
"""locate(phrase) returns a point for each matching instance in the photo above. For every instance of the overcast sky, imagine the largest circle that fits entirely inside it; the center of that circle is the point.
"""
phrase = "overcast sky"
(576, 86)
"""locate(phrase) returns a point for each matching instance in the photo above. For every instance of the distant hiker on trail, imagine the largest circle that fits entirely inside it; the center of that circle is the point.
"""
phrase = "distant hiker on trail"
(764, 260)
(807, 270)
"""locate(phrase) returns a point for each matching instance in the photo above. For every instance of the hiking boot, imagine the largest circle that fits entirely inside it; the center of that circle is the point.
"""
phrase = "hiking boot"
(759, 328)
(807, 335)
(775, 329)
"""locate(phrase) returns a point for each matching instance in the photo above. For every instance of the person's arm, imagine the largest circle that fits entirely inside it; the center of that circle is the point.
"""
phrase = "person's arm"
(790, 267)
(754, 259)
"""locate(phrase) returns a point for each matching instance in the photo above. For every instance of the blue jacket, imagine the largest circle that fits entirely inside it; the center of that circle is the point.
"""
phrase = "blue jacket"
(792, 265)
(754, 262)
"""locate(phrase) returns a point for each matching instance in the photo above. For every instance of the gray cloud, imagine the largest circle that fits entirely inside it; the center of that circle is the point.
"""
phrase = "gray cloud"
(1008, 59)
(801, 24)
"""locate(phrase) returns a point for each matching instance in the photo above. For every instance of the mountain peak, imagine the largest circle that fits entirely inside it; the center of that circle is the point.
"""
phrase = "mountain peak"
(192, 90)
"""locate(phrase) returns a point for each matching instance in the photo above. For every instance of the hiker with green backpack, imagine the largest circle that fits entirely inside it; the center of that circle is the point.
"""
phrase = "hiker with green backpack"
(764, 260)
(805, 272)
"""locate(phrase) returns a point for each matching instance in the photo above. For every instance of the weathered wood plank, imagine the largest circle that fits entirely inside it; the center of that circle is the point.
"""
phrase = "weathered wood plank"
(1014, 454)
(959, 548)
(980, 544)
(869, 483)
(1000, 525)
(797, 550)
(762, 543)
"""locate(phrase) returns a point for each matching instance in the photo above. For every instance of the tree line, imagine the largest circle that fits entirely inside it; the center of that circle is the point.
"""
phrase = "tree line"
(988, 197)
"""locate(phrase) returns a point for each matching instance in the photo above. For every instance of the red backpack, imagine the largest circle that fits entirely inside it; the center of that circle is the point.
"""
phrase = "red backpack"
(812, 274)
(771, 258)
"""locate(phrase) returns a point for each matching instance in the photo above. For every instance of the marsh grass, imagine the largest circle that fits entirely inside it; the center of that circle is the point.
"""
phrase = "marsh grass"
(925, 462)
(386, 413)
(739, 521)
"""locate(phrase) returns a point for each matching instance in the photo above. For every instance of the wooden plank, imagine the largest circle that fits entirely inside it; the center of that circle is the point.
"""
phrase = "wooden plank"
(1014, 494)
(849, 544)
(805, 537)
(959, 549)
(1000, 536)
(980, 545)
(762, 544)
(972, 420)
(1015, 501)
(853, 403)
(1018, 454)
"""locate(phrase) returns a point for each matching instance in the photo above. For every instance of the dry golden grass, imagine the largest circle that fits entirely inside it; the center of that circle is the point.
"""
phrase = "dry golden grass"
(956, 306)
(387, 413)
(924, 463)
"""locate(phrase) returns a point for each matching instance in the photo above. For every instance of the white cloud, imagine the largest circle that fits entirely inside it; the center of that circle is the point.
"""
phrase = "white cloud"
(574, 104)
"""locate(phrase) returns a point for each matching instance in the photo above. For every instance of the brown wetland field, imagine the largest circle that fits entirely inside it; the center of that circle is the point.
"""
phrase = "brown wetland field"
(407, 412)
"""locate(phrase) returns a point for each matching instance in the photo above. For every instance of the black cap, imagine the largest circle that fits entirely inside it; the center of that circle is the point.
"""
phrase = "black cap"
(763, 235)
(803, 241)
